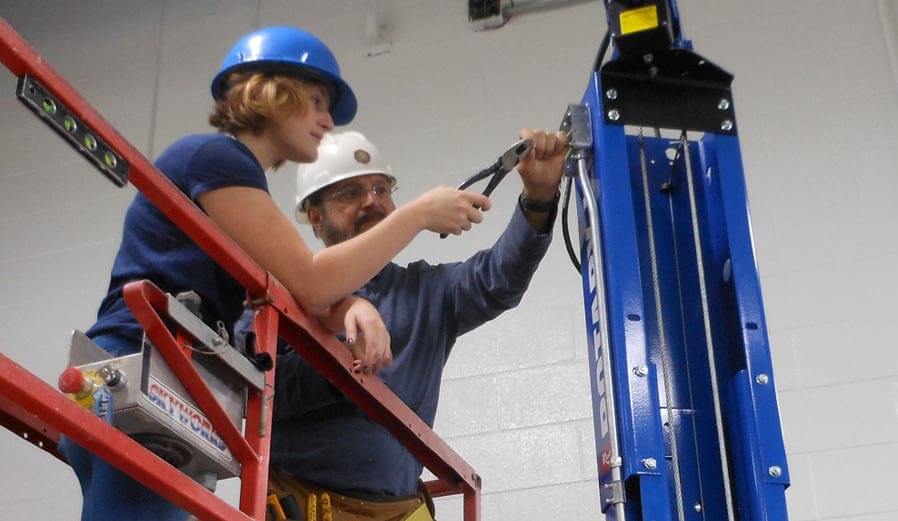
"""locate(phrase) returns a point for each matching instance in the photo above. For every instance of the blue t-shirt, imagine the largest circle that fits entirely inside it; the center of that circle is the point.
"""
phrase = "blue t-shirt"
(154, 248)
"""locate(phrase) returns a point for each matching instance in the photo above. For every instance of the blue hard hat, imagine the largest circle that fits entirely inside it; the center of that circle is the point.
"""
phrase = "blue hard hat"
(291, 51)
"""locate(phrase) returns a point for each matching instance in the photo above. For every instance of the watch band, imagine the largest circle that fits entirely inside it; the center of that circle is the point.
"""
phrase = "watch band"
(539, 206)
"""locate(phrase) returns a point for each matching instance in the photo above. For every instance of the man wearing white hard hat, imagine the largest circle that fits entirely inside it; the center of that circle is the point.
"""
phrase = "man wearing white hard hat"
(350, 157)
(321, 442)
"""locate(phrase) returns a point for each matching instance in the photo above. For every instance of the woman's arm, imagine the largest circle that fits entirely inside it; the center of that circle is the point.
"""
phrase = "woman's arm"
(252, 219)
(366, 335)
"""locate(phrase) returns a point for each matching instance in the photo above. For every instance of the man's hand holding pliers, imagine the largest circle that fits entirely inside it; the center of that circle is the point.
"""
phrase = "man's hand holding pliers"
(539, 158)
(541, 172)
(541, 169)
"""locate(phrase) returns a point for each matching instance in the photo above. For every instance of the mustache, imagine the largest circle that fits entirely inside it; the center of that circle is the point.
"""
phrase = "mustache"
(374, 216)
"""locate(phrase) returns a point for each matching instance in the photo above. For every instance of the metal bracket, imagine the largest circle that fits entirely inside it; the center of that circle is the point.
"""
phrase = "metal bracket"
(612, 494)
(577, 122)
(675, 89)
(55, 114)
(209, 341)
(578, 125)
(85, 351)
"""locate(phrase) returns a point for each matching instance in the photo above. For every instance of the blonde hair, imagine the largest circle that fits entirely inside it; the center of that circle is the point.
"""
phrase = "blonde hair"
(255, 99)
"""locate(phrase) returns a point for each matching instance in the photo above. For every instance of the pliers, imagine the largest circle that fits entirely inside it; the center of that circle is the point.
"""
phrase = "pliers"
(498, 170)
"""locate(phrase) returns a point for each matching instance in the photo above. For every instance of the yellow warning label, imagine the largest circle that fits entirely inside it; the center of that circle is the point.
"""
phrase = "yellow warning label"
(636, 20)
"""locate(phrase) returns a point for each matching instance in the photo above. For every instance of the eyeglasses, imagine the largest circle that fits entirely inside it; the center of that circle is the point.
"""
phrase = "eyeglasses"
(356, 193)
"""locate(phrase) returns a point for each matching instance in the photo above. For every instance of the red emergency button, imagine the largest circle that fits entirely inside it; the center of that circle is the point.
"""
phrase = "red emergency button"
(71, 380)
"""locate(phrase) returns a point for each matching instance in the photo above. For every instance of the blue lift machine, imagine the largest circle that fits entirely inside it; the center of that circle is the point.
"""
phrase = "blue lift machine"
(686, 419)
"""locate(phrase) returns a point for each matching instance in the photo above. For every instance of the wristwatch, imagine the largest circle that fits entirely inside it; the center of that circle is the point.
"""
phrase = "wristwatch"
(530, 205)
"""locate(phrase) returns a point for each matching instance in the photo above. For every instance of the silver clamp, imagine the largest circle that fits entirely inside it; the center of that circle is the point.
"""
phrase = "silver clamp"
(577, 124)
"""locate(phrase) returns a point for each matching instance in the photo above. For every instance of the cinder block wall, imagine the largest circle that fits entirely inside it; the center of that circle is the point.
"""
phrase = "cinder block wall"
(816, 97)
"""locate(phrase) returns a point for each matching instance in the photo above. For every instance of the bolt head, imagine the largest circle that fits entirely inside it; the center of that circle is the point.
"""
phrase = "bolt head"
(613, 115)
(775, 471)
(648, 58)
(724, 104)
(650, 463)
(726, 125)
(762, 379)
(611, 93)
(641, 370)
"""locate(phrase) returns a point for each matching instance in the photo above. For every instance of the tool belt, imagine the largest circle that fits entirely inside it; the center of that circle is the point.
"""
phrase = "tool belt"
(290, 499)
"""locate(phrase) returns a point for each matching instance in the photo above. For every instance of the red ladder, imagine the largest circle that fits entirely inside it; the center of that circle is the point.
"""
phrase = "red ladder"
(38, 412)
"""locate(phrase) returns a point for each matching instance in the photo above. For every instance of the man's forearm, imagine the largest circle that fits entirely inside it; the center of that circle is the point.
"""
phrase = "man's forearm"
(494, 280)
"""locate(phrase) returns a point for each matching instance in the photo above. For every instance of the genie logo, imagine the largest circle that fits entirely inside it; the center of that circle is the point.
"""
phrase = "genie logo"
(600, 392)
(179, 410)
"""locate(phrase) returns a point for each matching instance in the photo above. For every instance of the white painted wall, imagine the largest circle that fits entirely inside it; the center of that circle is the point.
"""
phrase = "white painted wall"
(818, 110)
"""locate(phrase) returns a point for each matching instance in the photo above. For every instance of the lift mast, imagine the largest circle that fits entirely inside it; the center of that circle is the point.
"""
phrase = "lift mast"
(686, 419)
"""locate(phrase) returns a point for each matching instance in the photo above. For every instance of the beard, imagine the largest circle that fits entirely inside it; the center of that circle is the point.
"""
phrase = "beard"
(332, 234)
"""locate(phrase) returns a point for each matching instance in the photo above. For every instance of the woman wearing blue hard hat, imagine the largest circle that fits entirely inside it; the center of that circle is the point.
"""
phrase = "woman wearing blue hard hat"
(278, 92)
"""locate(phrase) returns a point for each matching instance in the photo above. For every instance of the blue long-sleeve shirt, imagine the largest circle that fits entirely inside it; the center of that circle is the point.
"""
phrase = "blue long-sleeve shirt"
(322, 437)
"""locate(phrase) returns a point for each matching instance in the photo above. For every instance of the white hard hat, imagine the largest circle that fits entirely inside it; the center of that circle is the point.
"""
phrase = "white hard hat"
(340, 156)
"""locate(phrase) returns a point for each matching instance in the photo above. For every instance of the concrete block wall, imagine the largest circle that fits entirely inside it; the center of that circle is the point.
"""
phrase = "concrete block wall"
(817, 96)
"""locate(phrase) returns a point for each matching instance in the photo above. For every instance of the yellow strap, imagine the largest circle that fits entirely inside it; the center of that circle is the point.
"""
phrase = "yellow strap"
(326, 513)
(272, 501)
(312, 508)
(419, 514)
